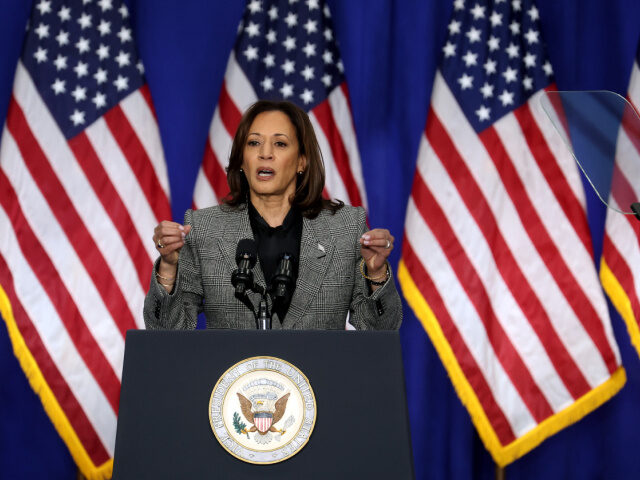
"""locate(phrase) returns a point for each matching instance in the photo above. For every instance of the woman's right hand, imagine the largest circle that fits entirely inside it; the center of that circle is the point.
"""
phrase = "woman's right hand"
(169, 239)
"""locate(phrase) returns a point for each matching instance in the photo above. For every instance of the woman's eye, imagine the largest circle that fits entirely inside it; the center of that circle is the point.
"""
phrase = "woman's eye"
(281, 144)
(253, 143)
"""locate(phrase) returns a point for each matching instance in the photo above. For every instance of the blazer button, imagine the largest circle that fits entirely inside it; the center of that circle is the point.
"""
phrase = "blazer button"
(379, 307)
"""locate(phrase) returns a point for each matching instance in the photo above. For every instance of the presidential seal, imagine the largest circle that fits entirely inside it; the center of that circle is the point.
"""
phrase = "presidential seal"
(262, 410)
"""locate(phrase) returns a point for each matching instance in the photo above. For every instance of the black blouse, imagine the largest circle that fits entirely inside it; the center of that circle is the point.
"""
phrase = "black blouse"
(272, 243)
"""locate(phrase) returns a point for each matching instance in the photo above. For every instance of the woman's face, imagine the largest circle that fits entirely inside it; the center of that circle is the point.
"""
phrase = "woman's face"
(271, 157)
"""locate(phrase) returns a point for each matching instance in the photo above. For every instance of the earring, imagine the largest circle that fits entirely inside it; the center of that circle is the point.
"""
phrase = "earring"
(300, 172)
(241, 171)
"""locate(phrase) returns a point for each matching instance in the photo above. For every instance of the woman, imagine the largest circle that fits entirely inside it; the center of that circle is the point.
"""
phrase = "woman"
(276, 179)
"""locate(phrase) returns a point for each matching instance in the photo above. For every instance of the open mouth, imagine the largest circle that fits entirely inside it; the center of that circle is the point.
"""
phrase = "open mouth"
(265, 173)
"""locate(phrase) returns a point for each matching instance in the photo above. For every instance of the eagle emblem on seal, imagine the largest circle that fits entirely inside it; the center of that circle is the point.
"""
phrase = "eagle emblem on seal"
(263, 404)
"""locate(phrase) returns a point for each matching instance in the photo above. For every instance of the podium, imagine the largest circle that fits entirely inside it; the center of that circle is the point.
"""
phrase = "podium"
(361, 428)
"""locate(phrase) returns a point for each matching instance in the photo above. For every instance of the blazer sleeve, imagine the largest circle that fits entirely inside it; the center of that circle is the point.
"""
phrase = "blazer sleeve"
(180, 308)
(380, 310)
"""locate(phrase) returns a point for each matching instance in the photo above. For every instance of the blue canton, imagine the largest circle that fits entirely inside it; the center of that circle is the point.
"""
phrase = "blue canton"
(288, 51)
(82, 58)
(494, 58)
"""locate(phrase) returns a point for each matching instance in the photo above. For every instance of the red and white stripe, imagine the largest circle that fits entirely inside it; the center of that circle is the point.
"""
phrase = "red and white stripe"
(332, 123)
(620, 248)
(75, 252)
(498, 246)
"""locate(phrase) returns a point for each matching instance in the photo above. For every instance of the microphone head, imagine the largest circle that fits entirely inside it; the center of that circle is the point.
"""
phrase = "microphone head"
(247, 249)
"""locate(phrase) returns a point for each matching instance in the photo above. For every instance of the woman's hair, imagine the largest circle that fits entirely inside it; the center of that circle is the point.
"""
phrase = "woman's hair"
(309, 186)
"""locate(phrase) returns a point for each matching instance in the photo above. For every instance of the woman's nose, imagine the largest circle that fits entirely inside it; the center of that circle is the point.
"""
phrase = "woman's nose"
(265, 151)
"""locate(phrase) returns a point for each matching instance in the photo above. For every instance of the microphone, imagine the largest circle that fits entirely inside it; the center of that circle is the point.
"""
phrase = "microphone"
(246, 257)
(282, 281)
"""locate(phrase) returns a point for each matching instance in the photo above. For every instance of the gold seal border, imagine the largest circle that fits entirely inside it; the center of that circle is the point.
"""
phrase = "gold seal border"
(313, 396)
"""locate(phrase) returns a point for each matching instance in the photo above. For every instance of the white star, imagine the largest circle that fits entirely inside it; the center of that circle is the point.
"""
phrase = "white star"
(77, 118)
(513, 50)
(494, 43)
(470, 58)
(533, 13)
(340, 66)
(474, 35)
(288, 66)
(44, 6)
(140, 67)
(124, 11)
(79, 93)
(527, 83)
(477, 11)
(84, 2)
(458, 4)
(510, 75)
(289, 43)
(287, 90)
(271, 36)
(547, 68)
(64, 13)
(273, 12)
(124, 34)
(516, 5)
(309, 49)
(81, 69)
(326, 80)
(62, 38)
(327, 57)
(328, 34)
(100, 99)
(40, 55)
(514, 27)
(251, 53)
(532, 36)
(100, 76)
(291, 20)
(60, 62)
(487, 90)
(104, 28)
(454, 27)
(449, 50)
(82, 45)
(483, 113)
(267, 84)
(121, 83)
(326, 11)
(307, 73)
(254, 6)
(58, 86)
(122, 59)
(103, 52)
(84, 21)
(506, 98)
(490, 66)
(312, 4)
(530, 60)
(496, 19)
(307, 96)
(105, 5)
(291, 2)
(269, 60)
(465, 81)
(253, 29)
(42, 31)
(311, 26)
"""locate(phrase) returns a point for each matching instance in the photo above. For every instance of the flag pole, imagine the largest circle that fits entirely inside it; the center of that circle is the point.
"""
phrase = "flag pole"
(500, 473)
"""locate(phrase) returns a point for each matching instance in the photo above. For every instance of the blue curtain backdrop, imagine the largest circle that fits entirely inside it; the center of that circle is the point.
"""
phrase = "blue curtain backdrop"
(390, 51)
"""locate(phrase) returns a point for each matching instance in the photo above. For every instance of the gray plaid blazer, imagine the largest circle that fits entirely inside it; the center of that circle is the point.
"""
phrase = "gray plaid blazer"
(329, 280)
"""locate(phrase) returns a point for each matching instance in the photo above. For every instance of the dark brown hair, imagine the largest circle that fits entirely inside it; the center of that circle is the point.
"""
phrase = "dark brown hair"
(309, 186)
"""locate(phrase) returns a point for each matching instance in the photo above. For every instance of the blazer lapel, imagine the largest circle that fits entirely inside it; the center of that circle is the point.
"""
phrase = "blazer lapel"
(235, 228)
(316, 251)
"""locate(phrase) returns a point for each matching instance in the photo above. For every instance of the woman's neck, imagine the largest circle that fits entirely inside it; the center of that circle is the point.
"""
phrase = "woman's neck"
(272, 208)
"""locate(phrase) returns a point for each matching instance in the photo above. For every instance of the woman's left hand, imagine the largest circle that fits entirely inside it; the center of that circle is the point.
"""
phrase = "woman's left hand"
(375, 247)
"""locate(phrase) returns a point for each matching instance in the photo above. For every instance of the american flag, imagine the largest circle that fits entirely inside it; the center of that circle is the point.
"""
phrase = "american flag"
(620, 249)
(286, 49)
(497, 258)
(83, 182)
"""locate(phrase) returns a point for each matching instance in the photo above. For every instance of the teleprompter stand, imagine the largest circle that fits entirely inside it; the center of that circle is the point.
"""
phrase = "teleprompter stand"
(362, 425)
